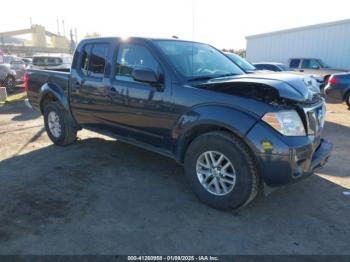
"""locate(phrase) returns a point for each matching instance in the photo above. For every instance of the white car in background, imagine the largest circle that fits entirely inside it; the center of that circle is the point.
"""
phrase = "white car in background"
(57, 62)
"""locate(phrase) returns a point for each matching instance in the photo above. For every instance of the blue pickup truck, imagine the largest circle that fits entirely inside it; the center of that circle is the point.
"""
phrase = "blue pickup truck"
(232, 131)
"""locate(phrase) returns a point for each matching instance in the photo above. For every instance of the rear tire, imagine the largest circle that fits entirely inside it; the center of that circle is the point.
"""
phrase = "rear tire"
(244, 170)
(58, 127)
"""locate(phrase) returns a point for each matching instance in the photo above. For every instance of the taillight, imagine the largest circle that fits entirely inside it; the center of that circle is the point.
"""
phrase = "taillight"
(332, 80)
(26, 80)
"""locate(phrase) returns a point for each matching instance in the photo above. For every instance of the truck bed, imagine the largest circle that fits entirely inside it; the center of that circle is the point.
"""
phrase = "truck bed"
(41, 79)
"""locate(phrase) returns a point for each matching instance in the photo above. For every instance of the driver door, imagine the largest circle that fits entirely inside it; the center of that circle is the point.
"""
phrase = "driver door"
(140, 110)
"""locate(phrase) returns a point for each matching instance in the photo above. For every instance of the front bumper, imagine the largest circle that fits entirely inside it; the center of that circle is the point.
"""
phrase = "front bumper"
(287, 159)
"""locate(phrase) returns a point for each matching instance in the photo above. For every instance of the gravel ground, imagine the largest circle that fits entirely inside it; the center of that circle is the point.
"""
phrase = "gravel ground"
(101, 196)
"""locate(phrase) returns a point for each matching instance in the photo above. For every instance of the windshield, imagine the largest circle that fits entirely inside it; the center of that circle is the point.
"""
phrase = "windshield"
(242, 63)
(322, 65)
(197, 61)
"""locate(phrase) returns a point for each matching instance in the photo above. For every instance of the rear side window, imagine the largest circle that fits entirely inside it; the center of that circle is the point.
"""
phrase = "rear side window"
(93, 60)
(98, 60)
(294, 63)
(85, 58)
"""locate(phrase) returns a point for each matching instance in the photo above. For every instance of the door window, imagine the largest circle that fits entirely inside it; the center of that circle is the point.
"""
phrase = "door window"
(93, 60)
(310, 64)
(98, 60)
(132, 56)
(85, 58)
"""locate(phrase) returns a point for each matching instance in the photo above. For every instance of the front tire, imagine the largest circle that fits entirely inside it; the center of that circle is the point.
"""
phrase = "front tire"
(221, 170)
(58, 128)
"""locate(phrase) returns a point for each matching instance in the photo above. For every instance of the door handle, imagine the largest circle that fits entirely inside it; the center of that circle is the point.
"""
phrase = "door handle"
(79, 83)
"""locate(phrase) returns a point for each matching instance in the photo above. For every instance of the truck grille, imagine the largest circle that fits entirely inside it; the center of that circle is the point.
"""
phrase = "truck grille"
(315, 118)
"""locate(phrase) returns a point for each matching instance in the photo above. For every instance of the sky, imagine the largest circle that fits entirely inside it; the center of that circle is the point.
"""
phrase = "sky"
(221, 23)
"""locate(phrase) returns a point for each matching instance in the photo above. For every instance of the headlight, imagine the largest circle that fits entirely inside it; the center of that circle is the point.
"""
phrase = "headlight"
(288, 123)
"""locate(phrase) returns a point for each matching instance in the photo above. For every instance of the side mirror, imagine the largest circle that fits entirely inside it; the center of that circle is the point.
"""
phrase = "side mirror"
(145, 75)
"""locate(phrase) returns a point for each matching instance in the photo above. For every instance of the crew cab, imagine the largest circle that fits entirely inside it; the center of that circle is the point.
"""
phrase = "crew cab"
(186, 100)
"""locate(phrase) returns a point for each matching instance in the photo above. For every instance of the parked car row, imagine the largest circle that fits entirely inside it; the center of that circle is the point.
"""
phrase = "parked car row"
(334, 83)
(13, 68)
(316, 81)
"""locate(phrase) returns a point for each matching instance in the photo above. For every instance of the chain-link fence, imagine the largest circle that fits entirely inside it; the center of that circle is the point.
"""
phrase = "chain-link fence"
(9, 82)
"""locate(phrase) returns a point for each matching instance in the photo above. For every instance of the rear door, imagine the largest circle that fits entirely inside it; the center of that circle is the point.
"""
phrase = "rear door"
(88, 84)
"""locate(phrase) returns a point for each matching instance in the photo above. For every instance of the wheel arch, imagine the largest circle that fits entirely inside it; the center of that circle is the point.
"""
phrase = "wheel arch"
(208, 119)
(50, 92)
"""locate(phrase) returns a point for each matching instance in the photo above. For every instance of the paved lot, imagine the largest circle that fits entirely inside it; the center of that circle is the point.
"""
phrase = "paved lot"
(101, 196)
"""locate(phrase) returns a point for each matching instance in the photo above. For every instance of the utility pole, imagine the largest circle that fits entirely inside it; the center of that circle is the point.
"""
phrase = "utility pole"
(63, 28)
(58, 27)
(76, 35)
(72, 43)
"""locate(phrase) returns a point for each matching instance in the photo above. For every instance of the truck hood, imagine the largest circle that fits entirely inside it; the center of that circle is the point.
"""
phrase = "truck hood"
(294, 87)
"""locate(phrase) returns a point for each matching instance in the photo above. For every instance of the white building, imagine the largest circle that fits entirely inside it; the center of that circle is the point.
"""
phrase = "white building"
(329, 42)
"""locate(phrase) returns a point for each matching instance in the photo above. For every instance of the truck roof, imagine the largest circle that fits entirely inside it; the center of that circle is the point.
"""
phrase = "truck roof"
(136, 38)
(304, 58)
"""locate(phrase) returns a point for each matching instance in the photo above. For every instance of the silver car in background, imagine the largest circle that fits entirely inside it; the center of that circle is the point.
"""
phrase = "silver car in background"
(11, 72)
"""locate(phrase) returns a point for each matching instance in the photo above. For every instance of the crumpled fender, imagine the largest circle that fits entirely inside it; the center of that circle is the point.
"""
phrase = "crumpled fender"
(236, 120)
